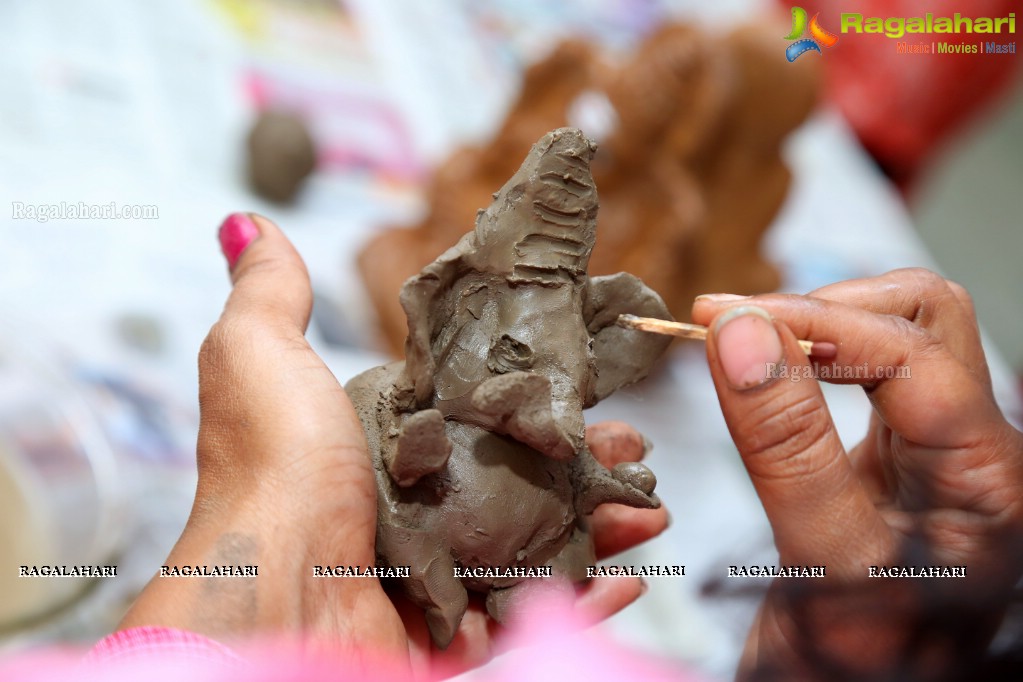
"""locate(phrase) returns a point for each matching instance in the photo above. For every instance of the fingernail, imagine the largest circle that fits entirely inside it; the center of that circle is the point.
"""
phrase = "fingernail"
(748, 346)
(720, 298)
(644, 586)
(236, 233)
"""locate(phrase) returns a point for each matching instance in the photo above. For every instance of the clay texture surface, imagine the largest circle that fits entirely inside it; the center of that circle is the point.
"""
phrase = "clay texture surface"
(478, 436)
(690, 125)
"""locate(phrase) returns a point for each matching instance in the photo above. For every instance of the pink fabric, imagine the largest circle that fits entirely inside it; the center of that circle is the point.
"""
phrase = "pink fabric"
(148, 653)
(148, 641)
(552, 648)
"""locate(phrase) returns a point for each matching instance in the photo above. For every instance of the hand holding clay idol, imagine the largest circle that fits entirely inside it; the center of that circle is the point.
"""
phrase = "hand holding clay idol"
(478, 436)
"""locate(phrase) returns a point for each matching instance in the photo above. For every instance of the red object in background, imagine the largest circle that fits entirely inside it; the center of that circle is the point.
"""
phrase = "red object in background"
(902, 106)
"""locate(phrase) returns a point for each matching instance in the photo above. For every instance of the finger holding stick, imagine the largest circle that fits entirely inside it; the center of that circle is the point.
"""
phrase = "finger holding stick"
(940, 465)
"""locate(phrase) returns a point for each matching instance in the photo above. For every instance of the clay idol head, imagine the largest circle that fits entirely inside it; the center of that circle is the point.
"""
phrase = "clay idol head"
(542, 224)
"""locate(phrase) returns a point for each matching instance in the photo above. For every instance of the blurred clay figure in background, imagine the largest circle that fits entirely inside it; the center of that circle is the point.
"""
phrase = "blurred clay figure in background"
(690, 171)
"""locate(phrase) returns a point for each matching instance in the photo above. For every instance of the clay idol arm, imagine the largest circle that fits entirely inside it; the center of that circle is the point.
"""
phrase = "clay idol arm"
(422, 297)
(623, 356)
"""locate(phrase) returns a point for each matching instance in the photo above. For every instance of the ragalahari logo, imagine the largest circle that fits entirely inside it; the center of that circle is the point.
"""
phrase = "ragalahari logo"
(818, 35)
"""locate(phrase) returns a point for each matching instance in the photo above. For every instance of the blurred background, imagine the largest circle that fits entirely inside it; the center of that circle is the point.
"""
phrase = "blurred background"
(369, 129)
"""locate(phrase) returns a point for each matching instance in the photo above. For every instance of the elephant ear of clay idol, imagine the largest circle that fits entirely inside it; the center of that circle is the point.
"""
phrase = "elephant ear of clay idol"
(478, 436)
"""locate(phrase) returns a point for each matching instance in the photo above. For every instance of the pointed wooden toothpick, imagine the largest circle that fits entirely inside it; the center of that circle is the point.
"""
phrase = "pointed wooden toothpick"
(817, 349)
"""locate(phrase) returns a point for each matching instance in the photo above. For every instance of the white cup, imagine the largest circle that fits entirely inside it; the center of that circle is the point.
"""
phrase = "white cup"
(59, 493)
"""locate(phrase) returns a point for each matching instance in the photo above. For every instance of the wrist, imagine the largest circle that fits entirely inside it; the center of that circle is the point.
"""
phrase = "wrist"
(238, 570)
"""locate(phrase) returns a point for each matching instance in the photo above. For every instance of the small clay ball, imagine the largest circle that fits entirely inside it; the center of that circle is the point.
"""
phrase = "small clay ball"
(636, 475)
(281, 155)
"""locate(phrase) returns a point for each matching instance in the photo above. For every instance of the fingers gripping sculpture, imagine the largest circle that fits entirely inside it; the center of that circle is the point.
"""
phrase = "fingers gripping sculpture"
(478, 436)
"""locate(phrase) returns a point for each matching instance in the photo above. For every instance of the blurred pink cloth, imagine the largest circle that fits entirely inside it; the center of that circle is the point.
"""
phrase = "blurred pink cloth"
(548, 646)
(145, 642)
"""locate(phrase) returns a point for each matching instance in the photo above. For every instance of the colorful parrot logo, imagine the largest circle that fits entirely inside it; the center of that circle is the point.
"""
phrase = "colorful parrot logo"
(818, 35)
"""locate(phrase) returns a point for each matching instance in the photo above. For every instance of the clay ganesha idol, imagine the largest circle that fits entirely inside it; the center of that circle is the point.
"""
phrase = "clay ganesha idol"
(478, 436)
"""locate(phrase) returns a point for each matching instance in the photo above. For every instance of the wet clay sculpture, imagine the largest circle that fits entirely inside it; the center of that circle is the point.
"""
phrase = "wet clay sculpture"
(690, 170)
(478, 436)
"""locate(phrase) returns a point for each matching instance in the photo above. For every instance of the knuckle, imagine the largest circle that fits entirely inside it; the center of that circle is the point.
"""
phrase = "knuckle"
(286, 272)
(213, 355)
(907, 333)
(220, 344)
(921, 278)
(783, 436)
(213, 348)
(270, 266)
(223, 351)
(914, 339)
(962, 295)
(908, 341)
(930, 291)
(959, 290)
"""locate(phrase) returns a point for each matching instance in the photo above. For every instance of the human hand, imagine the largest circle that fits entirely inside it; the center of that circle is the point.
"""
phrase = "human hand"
(937, 481)
(286, 483)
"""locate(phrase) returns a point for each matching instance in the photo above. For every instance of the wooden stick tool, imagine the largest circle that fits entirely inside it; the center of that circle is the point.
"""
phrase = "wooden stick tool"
(817, 349)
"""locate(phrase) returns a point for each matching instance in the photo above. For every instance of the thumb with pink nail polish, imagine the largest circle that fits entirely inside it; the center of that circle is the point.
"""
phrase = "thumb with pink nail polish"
(236, 232)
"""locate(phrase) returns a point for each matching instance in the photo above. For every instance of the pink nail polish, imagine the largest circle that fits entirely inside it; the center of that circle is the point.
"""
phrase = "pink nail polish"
(236, 233)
